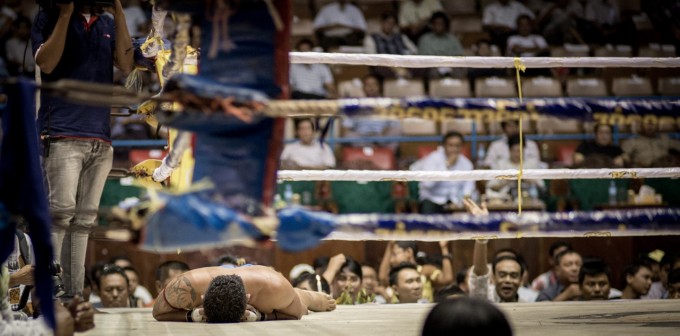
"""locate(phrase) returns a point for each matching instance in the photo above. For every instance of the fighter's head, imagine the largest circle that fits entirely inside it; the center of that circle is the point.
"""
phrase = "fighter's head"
(225, 300)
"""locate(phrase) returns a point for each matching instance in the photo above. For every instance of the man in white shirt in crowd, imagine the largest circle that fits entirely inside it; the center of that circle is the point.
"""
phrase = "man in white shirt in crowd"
(525, 43)
(502, 189)
(448, 157)
(500, 19)
(499, 149)
(306, 153)
(339, 23)
(311, 81)
(414, 16)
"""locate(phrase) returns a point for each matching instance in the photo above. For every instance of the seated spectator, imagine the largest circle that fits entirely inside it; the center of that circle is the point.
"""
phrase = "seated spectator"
(674, 284)
(369, 282)
(451, 291)
(310, 81)
(168, 271)
(312, 282)
(603, 17)
(557, 21)
(600, 148)
(19, 59)
(121, 261)
(659, 289)
(344, 274)
(650, 147)
(369, 126)
(525, 43)
(466, 316)
(139, 295)
(567, 266)
(499, 150)
(439, 42)
(434, 195)
(638, 277)
(549, 278)
(594, 281)
(320, 264)
(339, 23)
(483, 48)
(389, 41)
(500, 19)
(406, 284)
(307, 152)
(230, 261)
(504, 189)
(501, 282)
(114, 288)
(432, 276)
(414, 16)
(524, 291)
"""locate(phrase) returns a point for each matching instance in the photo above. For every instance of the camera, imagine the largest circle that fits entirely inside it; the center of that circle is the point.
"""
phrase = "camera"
(50, 4)
(55, 270)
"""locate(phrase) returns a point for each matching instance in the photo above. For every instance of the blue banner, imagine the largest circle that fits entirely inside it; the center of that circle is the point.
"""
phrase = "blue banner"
(611, 110)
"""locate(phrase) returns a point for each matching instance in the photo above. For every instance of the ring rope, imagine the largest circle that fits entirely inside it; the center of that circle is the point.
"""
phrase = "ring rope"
(411, 61)
(519, 66)
(475, 175)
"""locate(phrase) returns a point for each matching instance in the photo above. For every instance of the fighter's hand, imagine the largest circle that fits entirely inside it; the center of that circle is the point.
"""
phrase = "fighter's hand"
(198, 315)
(66, 9)
(474, 209)
(251, 314)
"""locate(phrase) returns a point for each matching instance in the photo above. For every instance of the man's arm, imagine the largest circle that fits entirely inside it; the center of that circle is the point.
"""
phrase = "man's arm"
(51, 51)
(384, 269)
(175, 300)
(446, 276)
(124, 56)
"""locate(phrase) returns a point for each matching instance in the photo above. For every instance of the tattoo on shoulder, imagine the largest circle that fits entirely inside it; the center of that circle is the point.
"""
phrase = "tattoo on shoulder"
(184, 293)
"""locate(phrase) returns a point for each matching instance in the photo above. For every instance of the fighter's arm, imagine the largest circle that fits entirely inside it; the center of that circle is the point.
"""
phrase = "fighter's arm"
(285, 303)
(173, 302)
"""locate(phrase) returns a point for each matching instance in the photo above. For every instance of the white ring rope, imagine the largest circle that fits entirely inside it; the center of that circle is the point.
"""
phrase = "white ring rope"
(509, 174)
(409, 61)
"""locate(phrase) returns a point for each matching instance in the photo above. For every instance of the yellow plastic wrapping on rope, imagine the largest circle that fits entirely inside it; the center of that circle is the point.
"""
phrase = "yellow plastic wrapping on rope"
(519, 66)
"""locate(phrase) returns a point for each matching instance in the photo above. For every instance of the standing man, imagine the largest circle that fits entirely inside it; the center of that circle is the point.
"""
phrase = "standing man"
(73, 41)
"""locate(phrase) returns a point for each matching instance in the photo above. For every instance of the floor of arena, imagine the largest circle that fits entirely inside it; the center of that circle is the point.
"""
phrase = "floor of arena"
(660, 317)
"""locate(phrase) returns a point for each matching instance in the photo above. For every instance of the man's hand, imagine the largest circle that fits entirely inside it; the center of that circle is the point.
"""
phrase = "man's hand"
(474, 209)
(66, 9)
(251, 314)
(571, 292)
(83, 314)
(198, 315)
(444, 245)
(337, 261)
(24, 276)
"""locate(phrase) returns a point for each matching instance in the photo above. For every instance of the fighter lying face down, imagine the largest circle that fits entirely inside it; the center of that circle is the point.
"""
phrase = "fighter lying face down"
(244, 294)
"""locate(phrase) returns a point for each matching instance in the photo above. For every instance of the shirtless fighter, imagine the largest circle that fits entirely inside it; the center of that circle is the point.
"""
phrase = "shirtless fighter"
(249, 293)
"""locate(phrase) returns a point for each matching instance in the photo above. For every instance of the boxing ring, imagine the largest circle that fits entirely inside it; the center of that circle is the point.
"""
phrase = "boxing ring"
(527, 319)
(197, 219)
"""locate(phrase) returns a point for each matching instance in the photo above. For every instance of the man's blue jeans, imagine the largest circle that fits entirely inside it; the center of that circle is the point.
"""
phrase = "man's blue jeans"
(75, 174)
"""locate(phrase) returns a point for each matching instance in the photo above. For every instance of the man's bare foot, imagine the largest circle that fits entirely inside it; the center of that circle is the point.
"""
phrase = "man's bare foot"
(321, 302)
